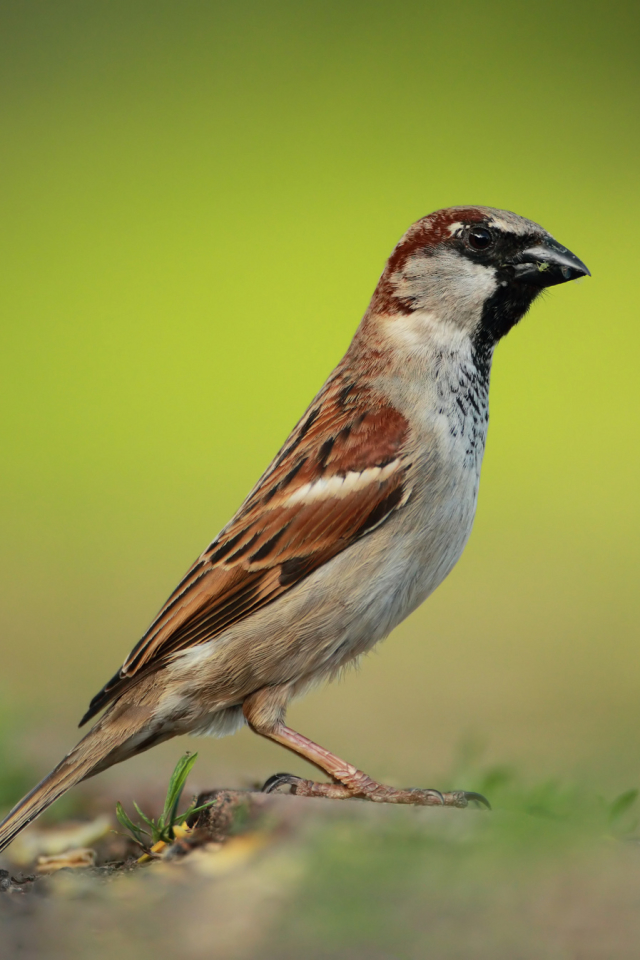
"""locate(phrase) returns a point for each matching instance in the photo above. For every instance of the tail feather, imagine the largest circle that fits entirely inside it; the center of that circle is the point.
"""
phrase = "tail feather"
(80, 763)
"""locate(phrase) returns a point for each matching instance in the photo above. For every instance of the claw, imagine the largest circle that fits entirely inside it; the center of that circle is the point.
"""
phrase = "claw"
(435, 793)
(477, 798)
(279, 780)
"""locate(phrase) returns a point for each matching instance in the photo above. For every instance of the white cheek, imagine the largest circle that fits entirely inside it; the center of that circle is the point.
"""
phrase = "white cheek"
(447, 291)
(465, 290)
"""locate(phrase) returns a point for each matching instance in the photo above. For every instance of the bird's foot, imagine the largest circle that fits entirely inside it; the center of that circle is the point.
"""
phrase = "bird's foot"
(364, 788)
(306, 788)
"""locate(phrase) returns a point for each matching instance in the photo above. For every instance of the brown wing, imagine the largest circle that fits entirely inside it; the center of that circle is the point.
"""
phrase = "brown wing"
(340, 474)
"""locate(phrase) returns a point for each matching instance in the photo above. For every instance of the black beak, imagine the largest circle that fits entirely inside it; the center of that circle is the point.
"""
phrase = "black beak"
(548, 263)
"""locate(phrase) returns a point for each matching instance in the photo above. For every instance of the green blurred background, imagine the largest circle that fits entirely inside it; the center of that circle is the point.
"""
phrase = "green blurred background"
(197, 200)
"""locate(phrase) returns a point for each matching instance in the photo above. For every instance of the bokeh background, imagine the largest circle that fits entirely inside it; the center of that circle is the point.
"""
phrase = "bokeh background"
(197, 201)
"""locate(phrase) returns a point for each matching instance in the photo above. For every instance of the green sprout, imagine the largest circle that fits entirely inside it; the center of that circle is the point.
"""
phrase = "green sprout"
(162, 829)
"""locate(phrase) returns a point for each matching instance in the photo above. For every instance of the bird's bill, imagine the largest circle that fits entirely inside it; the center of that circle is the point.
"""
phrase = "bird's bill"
(547, 264)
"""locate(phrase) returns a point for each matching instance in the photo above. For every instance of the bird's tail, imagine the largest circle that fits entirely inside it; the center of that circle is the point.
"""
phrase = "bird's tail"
(91, 753)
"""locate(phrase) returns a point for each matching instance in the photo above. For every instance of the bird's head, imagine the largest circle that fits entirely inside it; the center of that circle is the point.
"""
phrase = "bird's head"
(470, 272)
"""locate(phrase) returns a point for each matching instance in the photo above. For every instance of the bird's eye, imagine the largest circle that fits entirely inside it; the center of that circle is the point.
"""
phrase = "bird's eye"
(480, 238)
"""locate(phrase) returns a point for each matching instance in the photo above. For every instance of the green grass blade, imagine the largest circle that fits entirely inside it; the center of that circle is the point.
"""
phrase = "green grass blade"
(184, 816)
(135, 831)
(176, 786)
(147, 820)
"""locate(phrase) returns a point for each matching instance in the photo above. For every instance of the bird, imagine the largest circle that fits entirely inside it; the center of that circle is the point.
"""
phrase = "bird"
(359, 517)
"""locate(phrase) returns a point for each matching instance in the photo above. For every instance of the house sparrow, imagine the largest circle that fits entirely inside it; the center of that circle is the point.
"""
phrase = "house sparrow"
(359, 517)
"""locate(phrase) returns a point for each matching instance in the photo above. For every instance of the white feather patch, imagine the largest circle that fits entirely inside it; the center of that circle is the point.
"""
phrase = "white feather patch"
(341, 486)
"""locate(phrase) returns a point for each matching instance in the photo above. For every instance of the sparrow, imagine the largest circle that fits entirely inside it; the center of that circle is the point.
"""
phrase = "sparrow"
(359, 517)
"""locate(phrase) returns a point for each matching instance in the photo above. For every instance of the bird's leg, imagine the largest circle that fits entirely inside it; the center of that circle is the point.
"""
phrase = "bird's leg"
(348, 781)
(351, 782)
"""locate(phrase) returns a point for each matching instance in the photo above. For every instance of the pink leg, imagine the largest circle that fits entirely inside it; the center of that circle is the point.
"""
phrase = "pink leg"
(348, 780)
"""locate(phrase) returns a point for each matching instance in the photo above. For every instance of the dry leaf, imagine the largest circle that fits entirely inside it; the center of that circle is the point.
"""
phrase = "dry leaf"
(55, 840)
(74, 859)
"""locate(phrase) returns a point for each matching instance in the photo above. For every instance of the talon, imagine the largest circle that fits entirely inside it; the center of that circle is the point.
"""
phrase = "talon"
(477, 798)
(279, 780)
(435, 793)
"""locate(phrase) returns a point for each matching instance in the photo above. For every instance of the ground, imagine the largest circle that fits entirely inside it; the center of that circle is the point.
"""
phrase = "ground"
(551, 872)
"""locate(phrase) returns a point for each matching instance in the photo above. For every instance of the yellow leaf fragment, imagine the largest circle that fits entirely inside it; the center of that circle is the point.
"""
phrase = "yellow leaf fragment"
(55, 840)
(75, 859)
(181, 830)
(156, 849)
